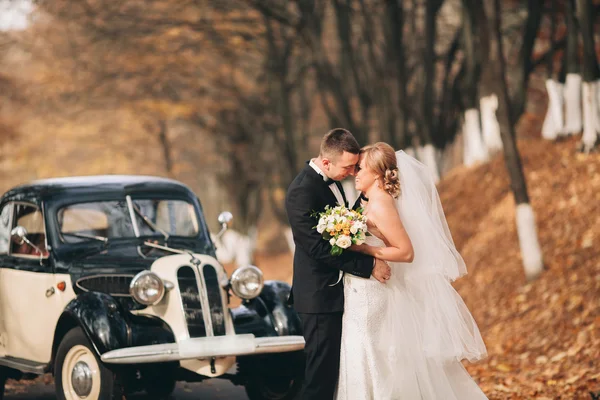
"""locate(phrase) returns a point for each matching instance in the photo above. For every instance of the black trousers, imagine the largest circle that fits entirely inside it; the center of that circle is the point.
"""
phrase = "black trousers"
(323, 337)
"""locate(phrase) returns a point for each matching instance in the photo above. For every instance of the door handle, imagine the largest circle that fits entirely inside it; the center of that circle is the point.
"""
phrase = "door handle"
(50, 291)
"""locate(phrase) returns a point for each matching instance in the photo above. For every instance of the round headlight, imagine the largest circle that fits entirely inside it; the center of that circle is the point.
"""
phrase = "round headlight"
(147, 288)
(247, 282)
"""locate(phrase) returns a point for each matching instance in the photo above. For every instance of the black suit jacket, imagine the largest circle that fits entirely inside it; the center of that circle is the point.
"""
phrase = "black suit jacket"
(314, 288)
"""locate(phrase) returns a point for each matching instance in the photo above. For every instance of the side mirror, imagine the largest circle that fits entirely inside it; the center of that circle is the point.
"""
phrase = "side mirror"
(224, 219)
(19, 235)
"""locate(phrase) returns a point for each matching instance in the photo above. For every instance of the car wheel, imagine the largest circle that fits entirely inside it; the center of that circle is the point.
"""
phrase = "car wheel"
(273, 388)
(78, 373)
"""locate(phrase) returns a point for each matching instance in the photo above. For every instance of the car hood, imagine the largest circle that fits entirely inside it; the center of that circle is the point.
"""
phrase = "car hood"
(107, 263)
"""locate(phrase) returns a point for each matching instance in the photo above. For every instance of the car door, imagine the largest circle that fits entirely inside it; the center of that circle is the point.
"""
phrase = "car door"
(30, 302)
(5, 221)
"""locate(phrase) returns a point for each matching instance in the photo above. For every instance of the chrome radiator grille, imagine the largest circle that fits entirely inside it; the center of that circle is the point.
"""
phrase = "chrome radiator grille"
(192, 304)
(215, 303)
(115, 285)
(202, 302)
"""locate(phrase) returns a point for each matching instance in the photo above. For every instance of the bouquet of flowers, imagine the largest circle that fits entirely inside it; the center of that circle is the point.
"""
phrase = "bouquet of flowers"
(341, 227)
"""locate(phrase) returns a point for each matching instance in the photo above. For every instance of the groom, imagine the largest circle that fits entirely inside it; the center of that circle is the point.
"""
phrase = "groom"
(317, 290)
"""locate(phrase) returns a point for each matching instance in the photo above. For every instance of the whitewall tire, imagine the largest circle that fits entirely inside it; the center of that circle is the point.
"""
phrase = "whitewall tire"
(78, 372)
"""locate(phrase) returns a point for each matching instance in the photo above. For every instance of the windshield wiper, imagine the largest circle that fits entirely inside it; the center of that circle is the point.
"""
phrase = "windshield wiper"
(148, 222)
(84, 236)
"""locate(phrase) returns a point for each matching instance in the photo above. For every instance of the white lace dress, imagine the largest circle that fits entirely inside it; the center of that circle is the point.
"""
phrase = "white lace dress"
(385, 358)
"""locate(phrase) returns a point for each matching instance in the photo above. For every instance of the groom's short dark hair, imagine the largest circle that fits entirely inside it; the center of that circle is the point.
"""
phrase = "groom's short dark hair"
(337, 141)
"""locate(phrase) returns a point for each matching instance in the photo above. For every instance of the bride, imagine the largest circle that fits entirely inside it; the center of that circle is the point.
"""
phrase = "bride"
(405, 339)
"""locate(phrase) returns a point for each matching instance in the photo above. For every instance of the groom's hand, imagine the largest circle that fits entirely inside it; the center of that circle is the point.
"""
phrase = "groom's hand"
(381, 271)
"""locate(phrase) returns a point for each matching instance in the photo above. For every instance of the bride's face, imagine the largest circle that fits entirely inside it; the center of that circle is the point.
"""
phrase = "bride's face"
(365, 177)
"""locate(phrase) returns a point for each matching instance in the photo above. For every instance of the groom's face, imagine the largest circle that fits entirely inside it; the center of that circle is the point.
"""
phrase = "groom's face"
(338, 168)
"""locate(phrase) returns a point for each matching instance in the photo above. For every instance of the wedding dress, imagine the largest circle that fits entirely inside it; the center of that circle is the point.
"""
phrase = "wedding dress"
(405, 339)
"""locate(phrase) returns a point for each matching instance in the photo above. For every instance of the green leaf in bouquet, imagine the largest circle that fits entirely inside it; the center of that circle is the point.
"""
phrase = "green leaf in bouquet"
(326, 235)
(336, 250)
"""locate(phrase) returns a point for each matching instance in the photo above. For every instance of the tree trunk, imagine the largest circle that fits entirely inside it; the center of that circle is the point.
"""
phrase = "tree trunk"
(591, 75)
(488, 87)
(474, 150)
(489, 123)
(553, 123)
(429, 69)
(429, 61)
(523, 72)
(289, 239)
(396, 18)
(526, 227)
(165, 146)
(430, 160)
(572, 91)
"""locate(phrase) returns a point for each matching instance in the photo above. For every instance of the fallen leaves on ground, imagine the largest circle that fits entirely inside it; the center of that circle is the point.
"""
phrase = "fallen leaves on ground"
(543, 337)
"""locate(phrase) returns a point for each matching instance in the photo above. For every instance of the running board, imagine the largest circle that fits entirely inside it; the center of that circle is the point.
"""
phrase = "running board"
(23, 365)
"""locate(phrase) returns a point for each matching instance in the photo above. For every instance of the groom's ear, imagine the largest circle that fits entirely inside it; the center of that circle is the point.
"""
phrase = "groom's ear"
(326, 162)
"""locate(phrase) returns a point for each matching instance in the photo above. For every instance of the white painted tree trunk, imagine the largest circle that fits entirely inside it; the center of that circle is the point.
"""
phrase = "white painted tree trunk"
(474, 150)
(420, 150)
(590, 115)
(528, 240)
(548, 130)
(236, 247)
(430, 161)
(553, 123)
(572, 100)
(489, 123)
(411, 151)
(224, 255)
(289, 238)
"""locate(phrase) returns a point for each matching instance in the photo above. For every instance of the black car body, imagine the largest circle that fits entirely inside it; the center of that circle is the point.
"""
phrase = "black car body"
(112, 284)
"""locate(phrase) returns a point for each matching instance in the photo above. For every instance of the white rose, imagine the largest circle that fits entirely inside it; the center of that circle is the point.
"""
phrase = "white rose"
(330, 226)
(332, 241)
(354, 228)
(343, 241)
(321, 227)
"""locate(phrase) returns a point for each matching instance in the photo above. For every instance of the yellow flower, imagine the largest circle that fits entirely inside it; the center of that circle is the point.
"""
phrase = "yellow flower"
(346, 231)
(338, 227)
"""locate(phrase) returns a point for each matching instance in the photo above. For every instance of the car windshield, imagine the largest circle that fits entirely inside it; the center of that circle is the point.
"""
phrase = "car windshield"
(112, 219)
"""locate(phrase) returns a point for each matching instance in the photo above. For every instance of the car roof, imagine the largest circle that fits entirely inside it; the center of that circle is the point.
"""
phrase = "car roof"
(42, 188)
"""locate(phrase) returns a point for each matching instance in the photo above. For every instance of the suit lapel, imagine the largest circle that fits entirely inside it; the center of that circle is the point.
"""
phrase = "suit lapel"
(320, 185)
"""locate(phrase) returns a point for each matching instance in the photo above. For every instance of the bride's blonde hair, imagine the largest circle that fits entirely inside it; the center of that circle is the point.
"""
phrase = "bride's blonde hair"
(381, 158)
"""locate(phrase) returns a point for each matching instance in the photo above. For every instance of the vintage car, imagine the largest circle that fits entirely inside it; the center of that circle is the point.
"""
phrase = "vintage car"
(111, 284)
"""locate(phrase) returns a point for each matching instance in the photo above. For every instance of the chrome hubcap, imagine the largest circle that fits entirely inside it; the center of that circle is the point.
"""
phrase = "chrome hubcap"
(81, 379)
